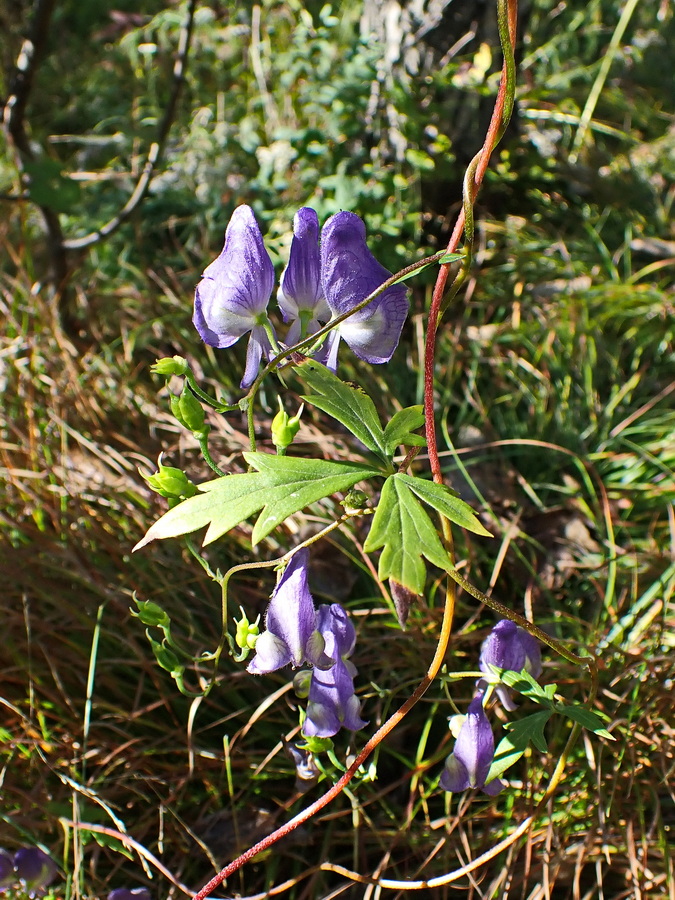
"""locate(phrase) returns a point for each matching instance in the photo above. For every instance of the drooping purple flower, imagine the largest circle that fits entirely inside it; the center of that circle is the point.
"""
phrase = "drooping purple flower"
(508, 646)
(139, 893)
(7, 874)
(469, 763)
(349, 273)
(300, 297)
(337, 631)
(332, 702)
(34, 868)
(232, 297)
(291, 634)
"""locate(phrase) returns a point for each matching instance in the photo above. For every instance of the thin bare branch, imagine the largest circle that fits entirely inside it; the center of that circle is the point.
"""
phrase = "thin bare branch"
(157, 146)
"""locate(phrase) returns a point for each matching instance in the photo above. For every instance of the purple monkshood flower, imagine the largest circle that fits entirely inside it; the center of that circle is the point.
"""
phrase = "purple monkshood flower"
(331, 701)
(139, 893)
(300, 297)
(318, 283)
(232, 297)
(7, 875)
(509, 647)
(34, 868)
(291, 634)
(469, 763)
(349, 273)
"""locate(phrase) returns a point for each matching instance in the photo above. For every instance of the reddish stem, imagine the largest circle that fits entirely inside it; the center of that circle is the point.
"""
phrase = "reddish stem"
(441, 281)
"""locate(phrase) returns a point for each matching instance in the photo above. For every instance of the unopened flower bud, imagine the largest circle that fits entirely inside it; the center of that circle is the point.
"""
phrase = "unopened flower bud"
(354, 501)
(174, 365)
(170, 482)
(247, 632)
(192, 413)
(285, 428)
(165, 657)
(151, 614)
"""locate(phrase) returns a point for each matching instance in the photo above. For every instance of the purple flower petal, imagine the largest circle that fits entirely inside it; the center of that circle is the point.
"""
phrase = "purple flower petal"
(34, 867)
(258, 345)
(332, 702)
(300, 289)
(469, 763)
(7, 874)
(508, 646)
(290, 622)
(337, 630)
(455, 778)
(350, 273)
(236, 287)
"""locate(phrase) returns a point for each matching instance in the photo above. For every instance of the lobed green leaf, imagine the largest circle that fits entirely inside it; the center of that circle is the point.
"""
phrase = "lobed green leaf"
(405, 532)
(446, 502)
(347, 404)
(401, 428)
(282, 486)
(514, 744)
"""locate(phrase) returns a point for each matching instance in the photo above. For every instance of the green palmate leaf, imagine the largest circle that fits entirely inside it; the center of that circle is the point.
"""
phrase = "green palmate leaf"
(401, 428)
(445, 501)
(516, 741)
(405, 531)
(298, 482)
(585, 717)
(282, 486)
(346, 403)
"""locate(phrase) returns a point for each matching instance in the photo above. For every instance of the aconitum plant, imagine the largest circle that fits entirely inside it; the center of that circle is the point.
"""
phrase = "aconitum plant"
(332, 290)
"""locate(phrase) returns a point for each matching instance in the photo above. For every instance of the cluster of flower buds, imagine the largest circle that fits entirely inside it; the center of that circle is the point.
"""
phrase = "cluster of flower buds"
(322, 281)
(298, 634)
(29, 870)
(507, 648)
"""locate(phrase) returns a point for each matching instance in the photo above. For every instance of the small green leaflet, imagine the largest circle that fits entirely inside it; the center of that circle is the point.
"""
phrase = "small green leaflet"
(357, 412)
(585, 717)
(525, 684)
(515, 742)
(281, 486)
(349, 405)
(402, 427)
(446, 502)
(403, 528)
(443, 261)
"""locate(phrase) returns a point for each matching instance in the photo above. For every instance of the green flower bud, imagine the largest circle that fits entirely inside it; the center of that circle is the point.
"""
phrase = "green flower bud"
(285, 428)
(189, 412)
(151, 614)
(247, 632)
(165, 657)
(354, 501)
(170, 482)
(174, 365)
(192, 412)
